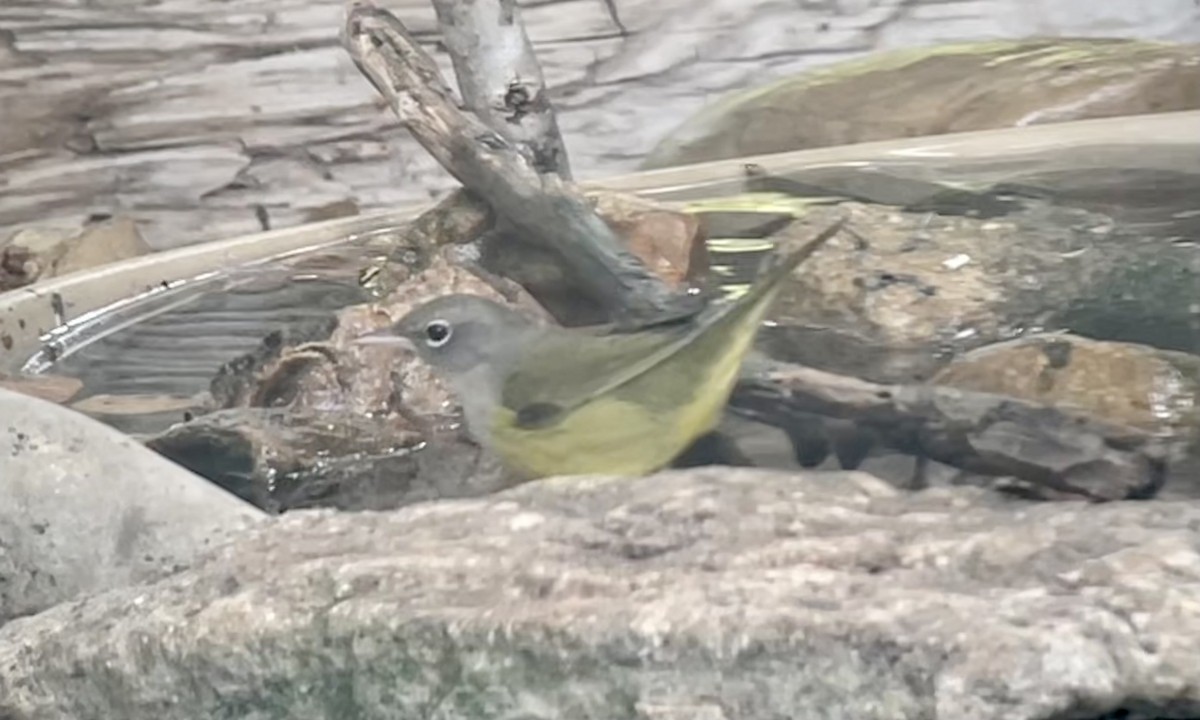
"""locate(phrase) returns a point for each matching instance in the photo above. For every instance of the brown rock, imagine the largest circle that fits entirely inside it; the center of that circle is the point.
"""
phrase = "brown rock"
(18, 267)
(282, 460)
(671, 243)
(358, 427)
(100, 244)
(35, 254)
(1133, 385)
(55, 388)
(1129, 384)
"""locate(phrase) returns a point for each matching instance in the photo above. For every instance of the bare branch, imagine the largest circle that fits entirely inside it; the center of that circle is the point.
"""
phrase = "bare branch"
(545, 210)
(501, 79)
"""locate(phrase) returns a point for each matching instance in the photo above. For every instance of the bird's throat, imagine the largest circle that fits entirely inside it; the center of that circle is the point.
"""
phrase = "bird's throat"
(478, 393)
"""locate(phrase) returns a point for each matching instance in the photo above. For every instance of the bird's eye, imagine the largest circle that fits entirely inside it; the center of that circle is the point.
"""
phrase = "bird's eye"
(437, 333)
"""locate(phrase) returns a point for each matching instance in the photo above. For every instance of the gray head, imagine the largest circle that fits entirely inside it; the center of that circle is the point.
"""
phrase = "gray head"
(461, 334)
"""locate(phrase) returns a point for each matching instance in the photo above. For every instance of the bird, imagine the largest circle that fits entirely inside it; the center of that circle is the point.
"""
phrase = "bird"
(554, 401)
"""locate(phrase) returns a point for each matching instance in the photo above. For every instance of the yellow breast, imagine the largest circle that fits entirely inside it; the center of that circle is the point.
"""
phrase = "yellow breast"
(613, 434)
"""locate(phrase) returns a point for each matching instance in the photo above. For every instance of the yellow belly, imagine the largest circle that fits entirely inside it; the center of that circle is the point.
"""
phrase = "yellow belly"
(615, 435)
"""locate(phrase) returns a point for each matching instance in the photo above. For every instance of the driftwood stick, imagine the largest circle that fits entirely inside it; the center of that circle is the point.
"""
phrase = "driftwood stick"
(501, 79)
(978, 432)
(545, 210)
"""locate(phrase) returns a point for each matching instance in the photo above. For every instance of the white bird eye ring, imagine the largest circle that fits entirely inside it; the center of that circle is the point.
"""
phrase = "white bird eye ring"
(437, 333)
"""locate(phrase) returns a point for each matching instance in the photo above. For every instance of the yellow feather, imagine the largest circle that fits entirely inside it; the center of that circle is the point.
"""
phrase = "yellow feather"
(582, 442)
(611, 432)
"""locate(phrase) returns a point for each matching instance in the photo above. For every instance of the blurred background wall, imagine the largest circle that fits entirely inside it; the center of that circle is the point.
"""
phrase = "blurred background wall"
(205, 118)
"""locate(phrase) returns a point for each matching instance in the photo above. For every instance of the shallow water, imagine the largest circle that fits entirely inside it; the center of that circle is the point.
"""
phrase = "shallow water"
(170, 343)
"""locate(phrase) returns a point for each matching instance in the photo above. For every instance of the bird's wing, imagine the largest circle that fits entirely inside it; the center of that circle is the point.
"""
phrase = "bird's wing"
(544, 388)
(540, 392)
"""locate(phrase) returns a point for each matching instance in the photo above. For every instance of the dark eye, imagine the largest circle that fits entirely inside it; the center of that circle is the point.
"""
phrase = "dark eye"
(437, 333)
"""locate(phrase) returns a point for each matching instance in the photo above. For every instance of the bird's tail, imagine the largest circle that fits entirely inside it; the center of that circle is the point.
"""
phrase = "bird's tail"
(781, 263)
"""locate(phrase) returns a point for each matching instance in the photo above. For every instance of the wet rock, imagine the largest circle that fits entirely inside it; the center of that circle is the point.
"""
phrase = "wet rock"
(703, 593)
(84, 509)
(458, 219)
(18, 267)
(312, 419)
(1135, 385)
(38, 253)
(941, 89)
(900, 293)
(100, 244)
(282, 460)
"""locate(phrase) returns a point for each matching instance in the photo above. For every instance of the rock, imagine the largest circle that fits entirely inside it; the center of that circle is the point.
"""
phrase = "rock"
(312, 419)
(329, 211)
(324, 369)
(940, 89)
(35, 254)
(100, 244)
(282, 460)
(901, 293)
(692, 594)
(84, 509)
(670, 242)
(55, 388)
(458, 219)
(1134, 385)
(137, 404)
(18, 267)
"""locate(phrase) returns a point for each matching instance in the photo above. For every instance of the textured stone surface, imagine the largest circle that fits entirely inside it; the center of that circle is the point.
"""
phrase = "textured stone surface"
(84, 509)
(43, 254)
(281, 460)
(895, 297)
(691, 594)
(1134, 385)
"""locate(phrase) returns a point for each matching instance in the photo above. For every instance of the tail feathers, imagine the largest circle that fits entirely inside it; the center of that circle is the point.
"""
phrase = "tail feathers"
(785, 261)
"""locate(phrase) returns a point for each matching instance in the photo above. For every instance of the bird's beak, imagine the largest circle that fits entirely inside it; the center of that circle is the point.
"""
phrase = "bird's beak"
(385, 337)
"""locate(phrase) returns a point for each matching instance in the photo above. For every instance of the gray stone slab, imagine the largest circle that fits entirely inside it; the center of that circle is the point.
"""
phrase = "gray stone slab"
(85, 509)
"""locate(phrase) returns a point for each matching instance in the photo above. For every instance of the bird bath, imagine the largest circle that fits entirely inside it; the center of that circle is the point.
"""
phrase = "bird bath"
(160, 325)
